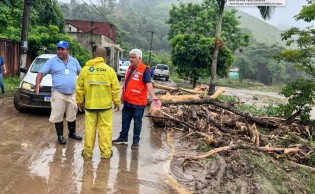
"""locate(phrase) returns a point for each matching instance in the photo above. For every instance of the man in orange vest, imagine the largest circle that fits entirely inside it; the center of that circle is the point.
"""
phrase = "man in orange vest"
(134, 97)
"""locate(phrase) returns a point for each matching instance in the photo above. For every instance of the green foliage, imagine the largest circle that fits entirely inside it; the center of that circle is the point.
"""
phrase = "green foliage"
(192, 55)
(307, 13)
(300, 96)
(51, 16)
(301, 91)
(272, 178)
(228, 98)
(269, 110)
(11, 82)
(45, 28)
(204, 147)
(134, 23)
(156, 58)
(258, 62)
(202, 19)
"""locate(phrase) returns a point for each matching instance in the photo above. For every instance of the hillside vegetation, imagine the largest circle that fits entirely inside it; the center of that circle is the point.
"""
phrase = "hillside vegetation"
(262, 32)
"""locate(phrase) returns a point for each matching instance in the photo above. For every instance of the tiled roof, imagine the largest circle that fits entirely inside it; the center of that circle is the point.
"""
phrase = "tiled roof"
(98, 27)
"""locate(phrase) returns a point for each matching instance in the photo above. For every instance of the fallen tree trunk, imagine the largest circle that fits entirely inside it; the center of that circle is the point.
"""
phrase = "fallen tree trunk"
(163, 87)
(208, 100)
(169, 88)
(176, 98)
(244, 146)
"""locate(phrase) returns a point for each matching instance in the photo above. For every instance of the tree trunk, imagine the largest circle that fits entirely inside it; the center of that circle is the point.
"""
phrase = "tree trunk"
(216, 49)
(195, 82)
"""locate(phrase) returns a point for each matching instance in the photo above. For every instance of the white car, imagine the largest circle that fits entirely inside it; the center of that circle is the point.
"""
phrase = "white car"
(122, 69)
(161, 71)
(25, 97)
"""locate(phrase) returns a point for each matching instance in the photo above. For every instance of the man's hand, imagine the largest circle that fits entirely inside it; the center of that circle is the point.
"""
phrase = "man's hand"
(80, 107)
(155, 98)
(117, 108)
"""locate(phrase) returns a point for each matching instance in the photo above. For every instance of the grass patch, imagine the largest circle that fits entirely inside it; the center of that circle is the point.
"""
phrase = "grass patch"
(279, 176)
(248, 84)
(204, 147)
(269, 110)
(175, 78)
(11, 82)
(231, 83)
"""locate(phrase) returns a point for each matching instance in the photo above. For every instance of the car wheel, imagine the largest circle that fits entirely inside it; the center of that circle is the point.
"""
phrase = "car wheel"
(16, 102)
(154, 78)
(166, 78)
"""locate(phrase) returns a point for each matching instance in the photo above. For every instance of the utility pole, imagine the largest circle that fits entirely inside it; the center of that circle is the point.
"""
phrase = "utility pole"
(24, 45)
(91, 33)
(150, 47)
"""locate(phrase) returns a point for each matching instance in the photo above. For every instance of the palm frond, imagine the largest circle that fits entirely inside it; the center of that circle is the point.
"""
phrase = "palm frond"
(266, 11)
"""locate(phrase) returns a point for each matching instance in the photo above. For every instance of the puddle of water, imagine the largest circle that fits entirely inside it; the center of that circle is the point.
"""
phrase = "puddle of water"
(167, 167)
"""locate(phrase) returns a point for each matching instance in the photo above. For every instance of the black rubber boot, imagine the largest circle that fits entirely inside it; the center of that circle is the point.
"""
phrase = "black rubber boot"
(59, 129)
(72, 133)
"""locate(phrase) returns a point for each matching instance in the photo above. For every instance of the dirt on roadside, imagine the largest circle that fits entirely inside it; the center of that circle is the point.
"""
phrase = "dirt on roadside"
(8, 93)
(241, 171)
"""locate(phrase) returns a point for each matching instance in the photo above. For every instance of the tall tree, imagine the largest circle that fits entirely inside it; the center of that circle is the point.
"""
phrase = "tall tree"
(201, 19)
(265, 13)
(191, 55)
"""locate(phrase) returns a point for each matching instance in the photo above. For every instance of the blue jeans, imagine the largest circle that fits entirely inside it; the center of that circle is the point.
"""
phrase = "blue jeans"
(128, 114)
(1, 83)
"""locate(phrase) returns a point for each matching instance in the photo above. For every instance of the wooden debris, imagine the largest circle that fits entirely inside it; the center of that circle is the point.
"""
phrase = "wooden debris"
(256, 120)
(244, 146)
(184, 98)
(226, 128)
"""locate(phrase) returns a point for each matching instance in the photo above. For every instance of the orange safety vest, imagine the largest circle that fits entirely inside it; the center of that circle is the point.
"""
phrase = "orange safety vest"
(137, 92)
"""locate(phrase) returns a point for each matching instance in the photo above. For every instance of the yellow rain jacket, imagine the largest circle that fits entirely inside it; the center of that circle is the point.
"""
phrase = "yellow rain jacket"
(96, 76)
(98, 87)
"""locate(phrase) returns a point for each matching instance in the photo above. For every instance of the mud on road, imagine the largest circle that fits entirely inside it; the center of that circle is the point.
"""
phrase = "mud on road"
(31, 160)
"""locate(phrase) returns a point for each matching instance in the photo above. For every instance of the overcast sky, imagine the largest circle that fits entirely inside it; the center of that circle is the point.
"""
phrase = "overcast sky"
(283, 16)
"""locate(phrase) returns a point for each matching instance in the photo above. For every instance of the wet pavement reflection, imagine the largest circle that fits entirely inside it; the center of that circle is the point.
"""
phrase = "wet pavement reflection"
(32, 161)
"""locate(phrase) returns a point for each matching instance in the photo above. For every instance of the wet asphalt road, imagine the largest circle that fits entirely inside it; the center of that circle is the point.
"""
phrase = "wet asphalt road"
(32, 162)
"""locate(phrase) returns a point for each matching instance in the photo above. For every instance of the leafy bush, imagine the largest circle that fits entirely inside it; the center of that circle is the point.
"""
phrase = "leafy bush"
(301, 97)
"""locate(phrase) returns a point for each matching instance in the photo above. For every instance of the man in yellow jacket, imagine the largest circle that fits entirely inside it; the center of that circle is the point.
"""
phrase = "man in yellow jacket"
(98, 88)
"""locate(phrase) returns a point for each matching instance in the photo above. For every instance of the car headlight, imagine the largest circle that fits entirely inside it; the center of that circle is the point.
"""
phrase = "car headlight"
(28, 86)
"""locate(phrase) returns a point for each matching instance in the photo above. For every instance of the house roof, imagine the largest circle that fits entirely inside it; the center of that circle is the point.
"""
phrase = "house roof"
(97, 27)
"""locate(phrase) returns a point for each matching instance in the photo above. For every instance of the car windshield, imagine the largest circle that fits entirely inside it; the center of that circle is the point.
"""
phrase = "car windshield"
(164, 67)
(126, 63)
(39, 63)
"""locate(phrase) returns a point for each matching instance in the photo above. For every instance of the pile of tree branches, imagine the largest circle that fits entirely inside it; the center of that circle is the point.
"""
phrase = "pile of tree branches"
(222, 126)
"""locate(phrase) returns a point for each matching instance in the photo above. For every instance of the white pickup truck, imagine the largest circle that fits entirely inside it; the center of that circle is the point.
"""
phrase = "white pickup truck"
(161, 71)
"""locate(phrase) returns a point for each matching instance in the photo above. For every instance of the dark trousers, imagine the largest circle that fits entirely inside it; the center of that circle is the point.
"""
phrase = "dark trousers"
(1, 83)
(128, 114)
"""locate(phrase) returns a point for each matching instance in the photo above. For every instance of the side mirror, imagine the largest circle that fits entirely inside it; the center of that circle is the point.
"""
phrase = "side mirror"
(23, 70)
